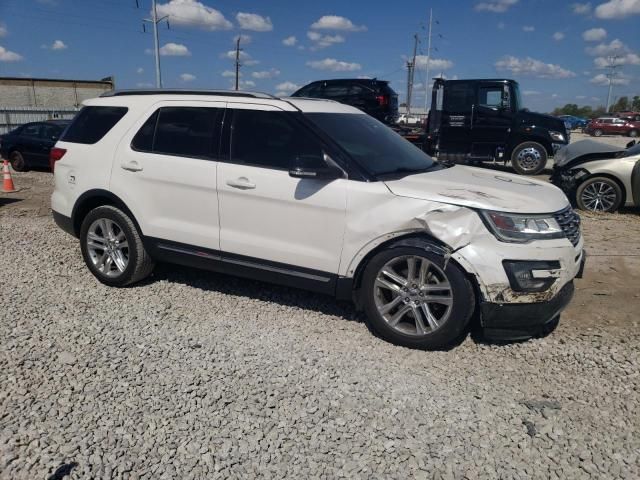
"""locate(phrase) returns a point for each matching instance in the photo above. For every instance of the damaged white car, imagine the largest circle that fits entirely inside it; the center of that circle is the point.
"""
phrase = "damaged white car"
(316, 195)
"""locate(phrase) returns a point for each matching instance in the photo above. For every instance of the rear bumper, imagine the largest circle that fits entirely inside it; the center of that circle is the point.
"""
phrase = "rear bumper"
(64, 222)
(519, 321)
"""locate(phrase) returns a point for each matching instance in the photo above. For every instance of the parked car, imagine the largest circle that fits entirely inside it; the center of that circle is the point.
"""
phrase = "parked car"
(317, 195)
(574, 122)
(405, 119)
(484, 120)
(612, 126)
(372, 96)
(28, 146)
(598, 176)
(630, 116)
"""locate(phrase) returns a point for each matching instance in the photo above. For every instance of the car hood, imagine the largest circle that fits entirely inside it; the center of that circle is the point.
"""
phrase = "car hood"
(480, 188)
(584, 151)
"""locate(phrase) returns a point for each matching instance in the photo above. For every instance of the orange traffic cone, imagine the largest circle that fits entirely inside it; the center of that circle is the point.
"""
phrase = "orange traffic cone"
(7, 182)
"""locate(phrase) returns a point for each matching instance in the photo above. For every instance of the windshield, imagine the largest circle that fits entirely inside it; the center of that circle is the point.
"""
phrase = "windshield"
(373, 145)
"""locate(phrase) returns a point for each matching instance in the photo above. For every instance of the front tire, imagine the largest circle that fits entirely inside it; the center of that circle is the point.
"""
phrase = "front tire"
(633, 133)
(112, 247)
(413, 298)
(529, 158)
(17, 161)
(597, 133)
(599, 194)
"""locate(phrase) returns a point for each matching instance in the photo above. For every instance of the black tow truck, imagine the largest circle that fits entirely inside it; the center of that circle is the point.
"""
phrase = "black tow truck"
(482, 120)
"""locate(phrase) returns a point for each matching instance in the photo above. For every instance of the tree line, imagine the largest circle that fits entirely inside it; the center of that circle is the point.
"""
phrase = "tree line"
(624, 104)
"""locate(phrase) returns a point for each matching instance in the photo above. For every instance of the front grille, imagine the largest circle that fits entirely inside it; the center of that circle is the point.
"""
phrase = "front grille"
(569, 221)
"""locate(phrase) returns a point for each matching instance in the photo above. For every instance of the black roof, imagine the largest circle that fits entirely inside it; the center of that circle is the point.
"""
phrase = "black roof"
(479, 80)
(179, 91)
(351, 80)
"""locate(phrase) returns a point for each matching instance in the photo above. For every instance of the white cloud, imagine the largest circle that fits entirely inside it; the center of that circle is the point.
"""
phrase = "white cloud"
(558, 36)
(287, 87)
(266, 73)
(173, 50)
(602, 80)
(282, 94)
(255, 22)
(191, 13)
(629, 58)
(244, 39)
(614, 47)
(531, 67)
(580, 97)
(530, 93)
(555, 95)
(434, 63)
(334, 65)
(140, 70)
(581, 8)
(335, 22)
(244, 56)
(229, 73)
(501, 25)
(528, 28)
(594, 35)
(496, 6)
(618, 9)
(187, 77)
(9, 56)
(246, 84)
(290, 41)
(144, 85)
(322, 41)
(3, 30)
(364, 77)
(58, 45)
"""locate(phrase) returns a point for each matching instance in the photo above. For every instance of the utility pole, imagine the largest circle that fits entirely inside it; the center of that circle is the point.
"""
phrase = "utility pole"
(426, 92)
(611, 75)
(238, 61)
(411, 67)
(155, 21)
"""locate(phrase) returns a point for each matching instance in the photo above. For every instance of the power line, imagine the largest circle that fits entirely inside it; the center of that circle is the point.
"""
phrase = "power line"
(155, 21)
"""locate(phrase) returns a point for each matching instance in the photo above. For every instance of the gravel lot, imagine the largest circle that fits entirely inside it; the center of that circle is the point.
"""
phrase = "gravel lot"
(198, 375)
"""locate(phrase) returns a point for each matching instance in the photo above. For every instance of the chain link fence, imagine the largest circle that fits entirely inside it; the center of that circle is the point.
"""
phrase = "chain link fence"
(13, 117)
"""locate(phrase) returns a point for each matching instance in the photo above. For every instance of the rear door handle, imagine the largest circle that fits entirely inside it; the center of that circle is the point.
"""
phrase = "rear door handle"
(132, 166)
(242, 183)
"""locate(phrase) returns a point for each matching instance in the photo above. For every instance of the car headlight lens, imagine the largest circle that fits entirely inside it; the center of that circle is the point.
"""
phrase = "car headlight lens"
(556, 136)
(511, 227)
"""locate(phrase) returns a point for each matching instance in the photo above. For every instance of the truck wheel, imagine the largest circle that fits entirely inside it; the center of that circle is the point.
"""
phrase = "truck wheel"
(414, 298)
(529, 158)
(599, 194)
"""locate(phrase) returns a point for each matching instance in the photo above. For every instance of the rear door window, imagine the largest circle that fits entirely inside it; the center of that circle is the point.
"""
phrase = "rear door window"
(181, 131)
(93, 123)
(31, 130)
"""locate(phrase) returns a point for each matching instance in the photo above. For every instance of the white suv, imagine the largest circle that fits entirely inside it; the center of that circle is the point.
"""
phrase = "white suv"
(317, 195)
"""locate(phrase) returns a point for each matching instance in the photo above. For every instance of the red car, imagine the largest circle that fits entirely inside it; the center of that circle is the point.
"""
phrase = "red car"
(612, 126)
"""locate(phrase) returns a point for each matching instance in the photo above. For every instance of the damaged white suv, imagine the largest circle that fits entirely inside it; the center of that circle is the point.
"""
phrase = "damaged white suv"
(317, 195)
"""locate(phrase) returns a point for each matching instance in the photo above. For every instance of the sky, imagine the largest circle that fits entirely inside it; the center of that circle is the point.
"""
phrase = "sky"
(557, 50)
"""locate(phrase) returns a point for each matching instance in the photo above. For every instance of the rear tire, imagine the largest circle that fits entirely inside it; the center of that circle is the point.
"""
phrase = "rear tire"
(17, 161)
(599, 194)
(112, 247)
(529, 158)
(442, 298)
(633, 133)
(597, 133)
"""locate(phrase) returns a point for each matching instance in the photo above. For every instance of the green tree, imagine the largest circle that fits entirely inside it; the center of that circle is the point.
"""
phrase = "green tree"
(621, 105)
(635, 103)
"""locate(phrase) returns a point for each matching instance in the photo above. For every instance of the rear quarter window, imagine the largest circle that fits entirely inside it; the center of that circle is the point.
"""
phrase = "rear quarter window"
(93, 123)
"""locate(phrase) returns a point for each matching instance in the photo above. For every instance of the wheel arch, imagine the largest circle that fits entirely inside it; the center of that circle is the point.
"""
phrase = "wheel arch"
(96, 198)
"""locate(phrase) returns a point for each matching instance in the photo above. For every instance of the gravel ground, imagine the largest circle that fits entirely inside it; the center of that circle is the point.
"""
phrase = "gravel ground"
(198, 375)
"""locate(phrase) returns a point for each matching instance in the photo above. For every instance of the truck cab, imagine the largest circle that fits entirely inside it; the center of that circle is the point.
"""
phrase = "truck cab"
(483, 120)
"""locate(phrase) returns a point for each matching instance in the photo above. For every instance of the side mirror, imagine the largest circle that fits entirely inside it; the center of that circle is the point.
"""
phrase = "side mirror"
(312, 166)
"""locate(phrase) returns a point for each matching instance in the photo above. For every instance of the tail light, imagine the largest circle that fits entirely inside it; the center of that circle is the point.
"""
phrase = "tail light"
(383, 100)
(55, 154)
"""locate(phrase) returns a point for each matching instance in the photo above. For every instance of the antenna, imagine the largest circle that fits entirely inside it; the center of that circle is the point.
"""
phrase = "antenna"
(155, 21)
(238, 65)
(613, 65)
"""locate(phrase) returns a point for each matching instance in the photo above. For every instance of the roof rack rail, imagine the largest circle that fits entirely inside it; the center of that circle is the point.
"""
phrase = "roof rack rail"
(178, 91)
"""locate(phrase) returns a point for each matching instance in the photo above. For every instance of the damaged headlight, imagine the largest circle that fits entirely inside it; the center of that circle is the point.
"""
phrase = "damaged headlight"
(556, 136)
(511, 227)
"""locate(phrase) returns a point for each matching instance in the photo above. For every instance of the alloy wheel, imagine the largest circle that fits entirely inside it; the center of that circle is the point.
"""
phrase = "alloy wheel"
(599, 197)
(529, 158)
(413, 295)
(108, 247)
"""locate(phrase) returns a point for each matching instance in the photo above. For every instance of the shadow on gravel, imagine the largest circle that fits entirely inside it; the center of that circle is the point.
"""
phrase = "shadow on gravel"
(62, 471)
(6, 201)
(241, 287)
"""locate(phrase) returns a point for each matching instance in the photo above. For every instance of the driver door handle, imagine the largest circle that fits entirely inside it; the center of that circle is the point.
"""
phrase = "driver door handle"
(242, 183)
(132, 166)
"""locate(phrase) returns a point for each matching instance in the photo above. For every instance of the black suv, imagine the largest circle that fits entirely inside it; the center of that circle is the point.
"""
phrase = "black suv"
(372, 96)
(28, 145)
